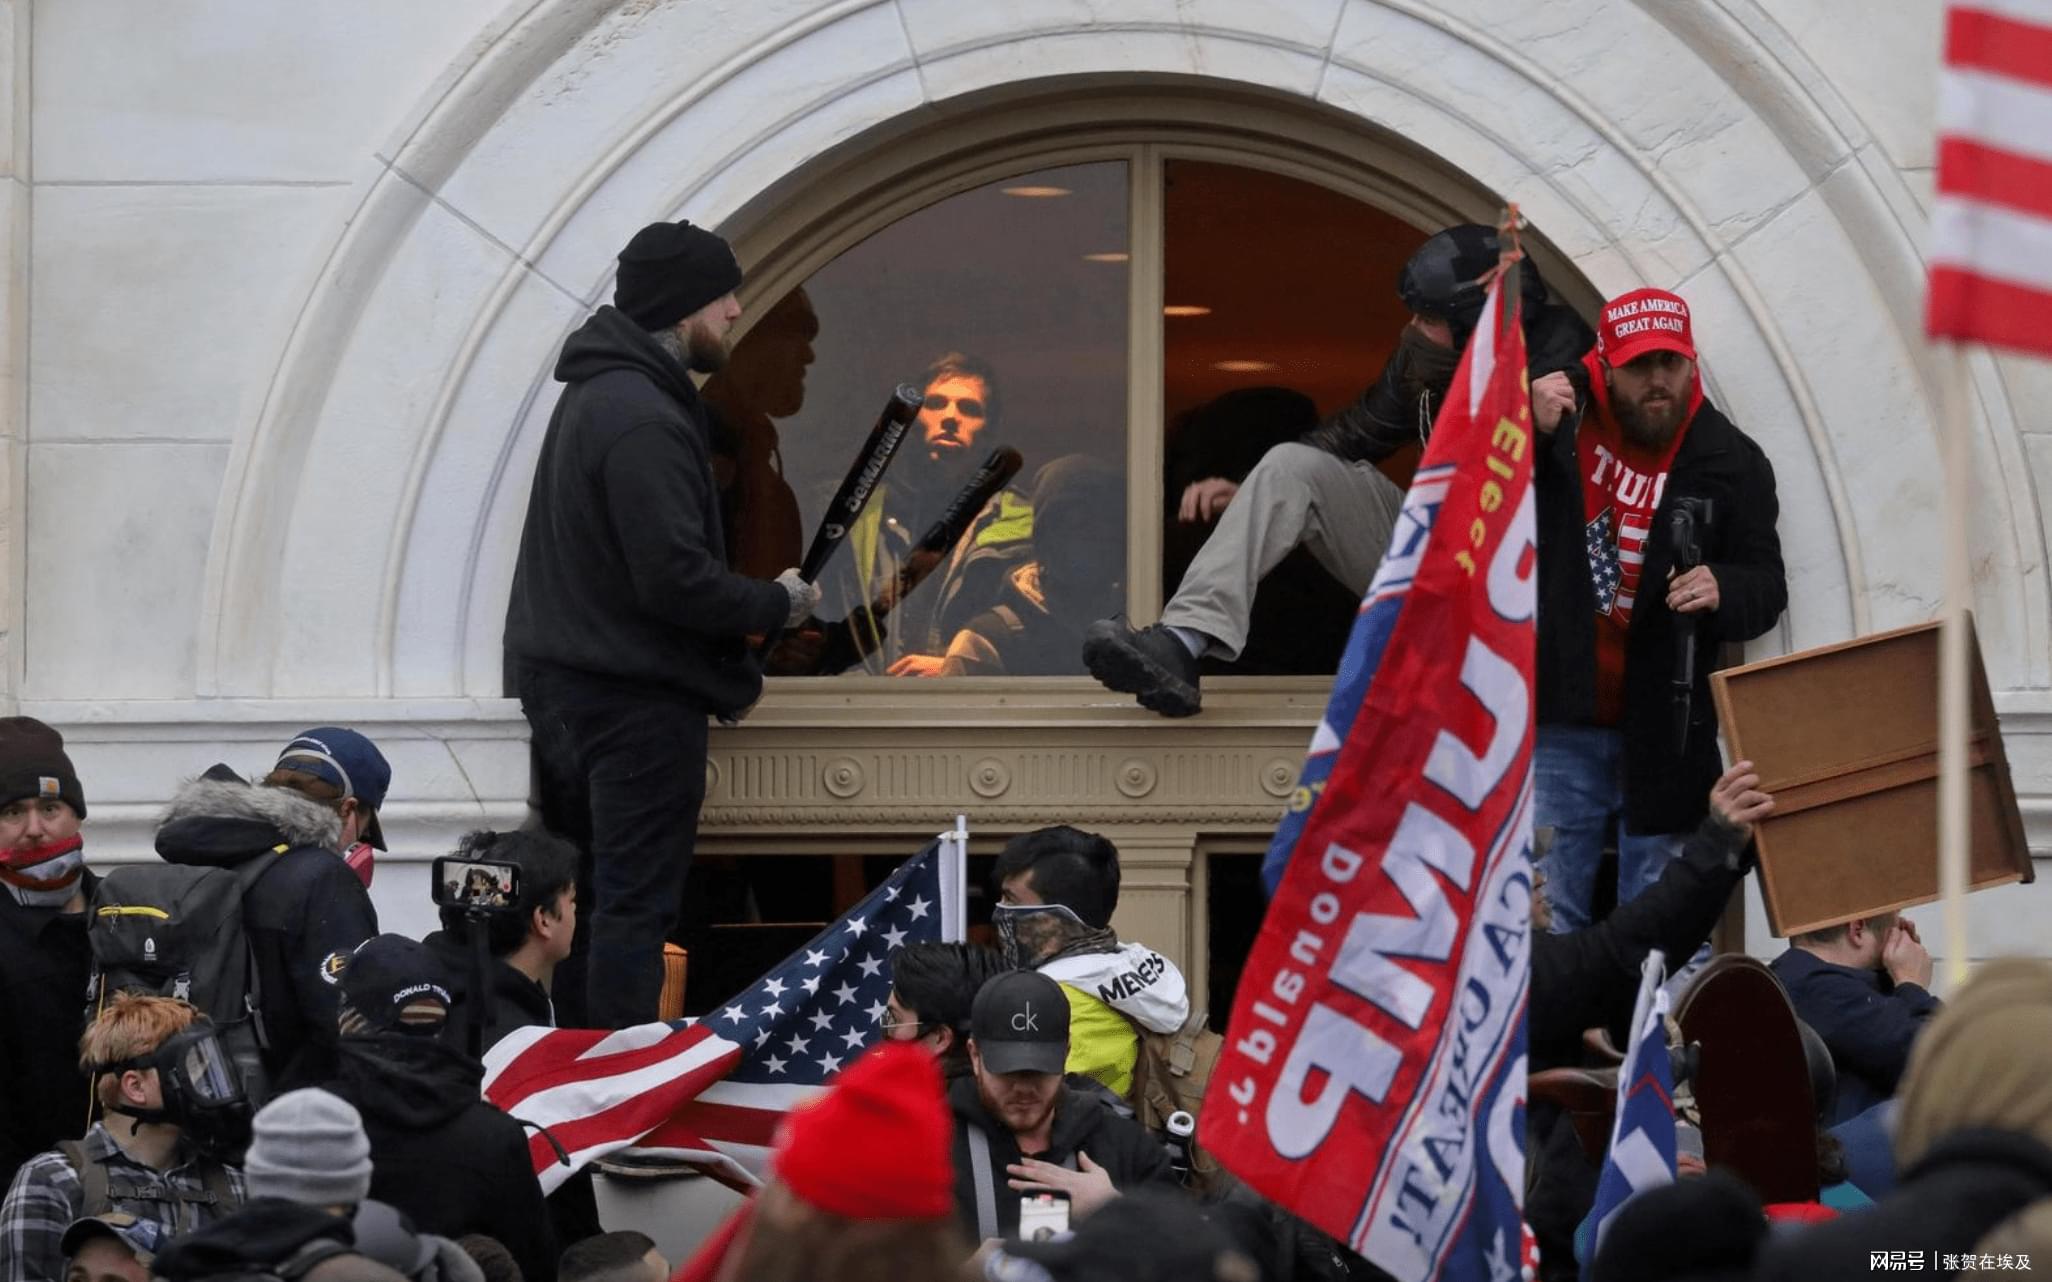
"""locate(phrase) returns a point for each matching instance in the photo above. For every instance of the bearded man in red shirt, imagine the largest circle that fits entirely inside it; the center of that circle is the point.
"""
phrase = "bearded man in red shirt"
(1656, 535)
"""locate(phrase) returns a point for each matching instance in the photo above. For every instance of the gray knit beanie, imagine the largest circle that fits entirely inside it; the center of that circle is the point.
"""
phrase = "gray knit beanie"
(309, 1147)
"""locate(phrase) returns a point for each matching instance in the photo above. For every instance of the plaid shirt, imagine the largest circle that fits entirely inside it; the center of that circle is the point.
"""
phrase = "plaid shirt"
(47, 1196)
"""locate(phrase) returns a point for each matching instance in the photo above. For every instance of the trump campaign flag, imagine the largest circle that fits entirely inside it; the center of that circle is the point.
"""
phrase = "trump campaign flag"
(1642, 1141)
(1991, 224)
(712, 1091)
(1373, 1075)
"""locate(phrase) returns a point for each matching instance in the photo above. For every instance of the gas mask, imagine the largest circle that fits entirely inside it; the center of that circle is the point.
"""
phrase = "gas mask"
(1029, 934)
(203, 1094)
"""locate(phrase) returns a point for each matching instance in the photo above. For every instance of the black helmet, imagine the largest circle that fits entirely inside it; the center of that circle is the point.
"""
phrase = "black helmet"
(1441, 279)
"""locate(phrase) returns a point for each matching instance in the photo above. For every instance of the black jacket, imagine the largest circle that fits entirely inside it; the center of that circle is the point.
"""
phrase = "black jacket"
(1389, 416)
(1589, 978)
(1083, 1123)
(1966, 1185)
(1867, 1024)
(623, 566)
(307, 909)
(44, 965)
(512, 999)
(255, 1240)
(452, 1162)
(1718, 462)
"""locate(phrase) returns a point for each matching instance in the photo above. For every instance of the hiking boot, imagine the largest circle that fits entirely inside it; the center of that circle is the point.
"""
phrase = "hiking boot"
(1149, 663)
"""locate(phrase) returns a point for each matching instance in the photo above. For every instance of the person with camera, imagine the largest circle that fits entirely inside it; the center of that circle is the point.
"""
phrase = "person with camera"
(1656, 545)
(160, 1152)
(1021, 1131)
(527, 934)
(449, 1160)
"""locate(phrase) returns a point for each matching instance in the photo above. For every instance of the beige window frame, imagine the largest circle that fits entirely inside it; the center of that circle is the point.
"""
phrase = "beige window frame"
(803, 222)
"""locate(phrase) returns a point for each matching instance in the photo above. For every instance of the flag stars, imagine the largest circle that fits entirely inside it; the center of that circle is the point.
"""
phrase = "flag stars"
(774, 987)
(870, 966)
(830, 1063)
(855, 1038)
(771, 1009)
(845, 993)
(761, 1038)
(918, 907)
(774, 1064)
(891, 894)
(856, 926)
(822, 1021)
(894, 937)
(810, 984)
(877, 1011)
(735, 1014)
(815, 957)
(797, 1043)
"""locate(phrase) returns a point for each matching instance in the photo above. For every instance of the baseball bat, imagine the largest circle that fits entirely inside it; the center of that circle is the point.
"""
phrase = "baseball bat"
(860, 633)
(860, 482)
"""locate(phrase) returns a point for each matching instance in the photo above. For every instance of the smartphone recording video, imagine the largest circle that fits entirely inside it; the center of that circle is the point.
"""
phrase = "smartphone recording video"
(476, 885)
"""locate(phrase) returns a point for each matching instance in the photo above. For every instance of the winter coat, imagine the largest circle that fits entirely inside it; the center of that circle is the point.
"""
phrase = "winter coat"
(512, 999)
(260, 1238)
(44, 965)
(1589, 978)
(1110, 993)
(1385, 418)
(1867, 1023)
(1082, 1124)
(452, 1162)
(622, 572)
(303, 916)
(1665, 791)
(1969, 1182)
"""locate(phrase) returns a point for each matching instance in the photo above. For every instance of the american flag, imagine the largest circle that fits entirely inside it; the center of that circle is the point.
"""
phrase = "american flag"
(1603, 567)
(1642, 1140)
(1991, 226)
(712, 1091)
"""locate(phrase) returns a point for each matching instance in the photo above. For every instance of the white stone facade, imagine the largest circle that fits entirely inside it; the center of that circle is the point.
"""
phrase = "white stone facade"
(284, 283)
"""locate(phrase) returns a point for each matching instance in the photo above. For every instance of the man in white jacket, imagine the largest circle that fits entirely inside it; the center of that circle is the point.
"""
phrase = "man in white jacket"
(1057, 888)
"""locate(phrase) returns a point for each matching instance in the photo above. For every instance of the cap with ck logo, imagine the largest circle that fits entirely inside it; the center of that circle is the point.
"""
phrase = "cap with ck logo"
(1020, 1023)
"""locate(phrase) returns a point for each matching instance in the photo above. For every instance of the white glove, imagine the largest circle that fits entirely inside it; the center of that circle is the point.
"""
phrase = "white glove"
(804, 597)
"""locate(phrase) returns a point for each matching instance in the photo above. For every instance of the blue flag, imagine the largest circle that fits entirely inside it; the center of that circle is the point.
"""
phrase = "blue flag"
(1642, 1148)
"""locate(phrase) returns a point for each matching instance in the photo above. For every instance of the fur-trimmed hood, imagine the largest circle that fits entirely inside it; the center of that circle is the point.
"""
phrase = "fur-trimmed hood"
(219, 821)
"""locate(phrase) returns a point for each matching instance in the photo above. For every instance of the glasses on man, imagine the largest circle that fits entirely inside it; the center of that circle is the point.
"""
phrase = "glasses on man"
(967, 405)
(889, 1025)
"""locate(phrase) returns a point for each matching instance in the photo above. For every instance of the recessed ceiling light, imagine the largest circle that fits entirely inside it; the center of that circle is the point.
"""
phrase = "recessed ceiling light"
(1242, 367)
(1036, 192)
(1185, 309)
(1117, 256)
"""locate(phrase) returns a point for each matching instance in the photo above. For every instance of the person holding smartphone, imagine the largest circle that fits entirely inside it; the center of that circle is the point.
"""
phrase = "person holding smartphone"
(1021, 1132)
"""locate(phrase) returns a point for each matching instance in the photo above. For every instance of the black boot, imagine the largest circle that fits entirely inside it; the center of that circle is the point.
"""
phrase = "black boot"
(1149, 663)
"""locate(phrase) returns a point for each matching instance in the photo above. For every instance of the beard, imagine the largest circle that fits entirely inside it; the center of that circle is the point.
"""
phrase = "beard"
(1020, 1112)
(1650, 427)
(704, 351)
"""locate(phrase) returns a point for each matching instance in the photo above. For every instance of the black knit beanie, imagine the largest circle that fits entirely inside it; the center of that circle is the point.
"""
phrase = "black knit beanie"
(33, 764)
(670, 270)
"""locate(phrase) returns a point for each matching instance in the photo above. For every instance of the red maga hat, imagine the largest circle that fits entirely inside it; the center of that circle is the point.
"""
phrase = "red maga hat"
(1645, 320)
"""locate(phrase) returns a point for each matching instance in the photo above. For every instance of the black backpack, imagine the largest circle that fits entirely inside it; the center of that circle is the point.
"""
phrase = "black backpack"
(173, 930)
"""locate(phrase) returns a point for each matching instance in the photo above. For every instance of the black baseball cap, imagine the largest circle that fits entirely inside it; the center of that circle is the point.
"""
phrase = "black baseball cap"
(395, 984)
(141, 1236)
(1020, 1023)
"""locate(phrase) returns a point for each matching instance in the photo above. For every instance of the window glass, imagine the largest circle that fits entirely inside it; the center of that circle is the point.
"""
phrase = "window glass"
(1007, 306)
(1281, 307)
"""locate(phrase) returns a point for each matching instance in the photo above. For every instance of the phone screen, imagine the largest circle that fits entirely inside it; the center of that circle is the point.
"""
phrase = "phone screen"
(1043, 1217)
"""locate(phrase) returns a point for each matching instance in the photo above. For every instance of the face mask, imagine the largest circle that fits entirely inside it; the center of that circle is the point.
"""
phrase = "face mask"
(203, 1095)
(362, 859)
(1028, 933)
(1427, 366)
(43, 876)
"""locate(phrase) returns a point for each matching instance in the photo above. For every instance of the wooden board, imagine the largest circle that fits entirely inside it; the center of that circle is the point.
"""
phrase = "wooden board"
(1845, 737)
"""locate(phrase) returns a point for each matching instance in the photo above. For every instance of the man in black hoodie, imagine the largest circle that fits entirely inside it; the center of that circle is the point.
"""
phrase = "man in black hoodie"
(1020, 1130)
(626, 629)
(1323, 492)
(450, 1161)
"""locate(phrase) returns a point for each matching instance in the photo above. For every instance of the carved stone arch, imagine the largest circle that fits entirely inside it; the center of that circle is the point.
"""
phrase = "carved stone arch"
(1676, 145)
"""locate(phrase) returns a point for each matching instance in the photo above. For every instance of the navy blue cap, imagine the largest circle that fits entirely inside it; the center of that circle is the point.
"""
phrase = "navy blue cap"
(350, 762)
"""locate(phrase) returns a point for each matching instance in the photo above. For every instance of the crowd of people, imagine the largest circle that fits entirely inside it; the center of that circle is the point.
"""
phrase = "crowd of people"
(217, 1066)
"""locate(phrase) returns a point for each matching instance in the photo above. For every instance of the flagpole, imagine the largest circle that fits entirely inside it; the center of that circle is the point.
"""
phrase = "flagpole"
(1953, 714)
(958, 873)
